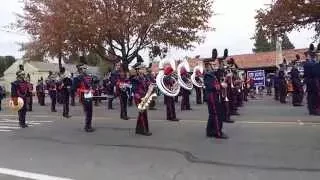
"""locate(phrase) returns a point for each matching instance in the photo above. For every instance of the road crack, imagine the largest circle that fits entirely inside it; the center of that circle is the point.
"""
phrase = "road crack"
(186, 154)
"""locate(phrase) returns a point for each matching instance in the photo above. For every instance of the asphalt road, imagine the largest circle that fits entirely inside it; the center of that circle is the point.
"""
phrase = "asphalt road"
(268, 141)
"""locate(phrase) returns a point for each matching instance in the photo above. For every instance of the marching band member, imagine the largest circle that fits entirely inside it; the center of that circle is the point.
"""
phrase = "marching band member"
(65, 89)
(2, 95)
(108, 88)
(297, 94)
(72, 93)
(30, 93)
(140, 91)
(185, 101)
(245, 86)
(269, 85)
(283, 88)
(198, 89)
(122, 86)
(96, 90)
(308, 79)
(131, 79)
(276, 86)
(112, 84)
(223, 107)
(169, 101)
(238, 86)
(84, 82)
(52, 88)
(19, 88)
(231, 91)
(212, 86)
(40, 88)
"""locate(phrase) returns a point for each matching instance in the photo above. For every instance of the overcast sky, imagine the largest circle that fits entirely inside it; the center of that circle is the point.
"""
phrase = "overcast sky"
(234, 25)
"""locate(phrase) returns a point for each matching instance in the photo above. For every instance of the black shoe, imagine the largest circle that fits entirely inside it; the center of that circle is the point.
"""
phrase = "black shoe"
(54, 110)
(144, 133)
(210, 135)
(23, 125)
(235, 114)
(221, 136)
(297, 105)
(228, 121)
(89, 130)
(67, 116)
(125, 118)
(173, 120)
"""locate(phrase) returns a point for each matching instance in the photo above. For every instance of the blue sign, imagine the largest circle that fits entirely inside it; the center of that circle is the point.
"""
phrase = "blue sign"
(258, 76)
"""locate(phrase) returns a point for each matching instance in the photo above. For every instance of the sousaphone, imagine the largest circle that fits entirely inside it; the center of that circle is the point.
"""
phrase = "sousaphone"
(197, 79)
(184, 83)
(173, 90)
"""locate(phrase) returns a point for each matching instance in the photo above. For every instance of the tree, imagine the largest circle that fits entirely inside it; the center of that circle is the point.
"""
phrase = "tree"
(5, 63)
(287, 15)
(261, 41)
(122, 28)
(264, 44)
(33, 51)
(286, 43)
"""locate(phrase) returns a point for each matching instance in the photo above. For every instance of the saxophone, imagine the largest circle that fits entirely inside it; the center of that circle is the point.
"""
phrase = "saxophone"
(150, 95)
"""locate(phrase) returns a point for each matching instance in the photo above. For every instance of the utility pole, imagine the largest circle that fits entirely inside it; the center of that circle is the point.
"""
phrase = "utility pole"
(279, 54)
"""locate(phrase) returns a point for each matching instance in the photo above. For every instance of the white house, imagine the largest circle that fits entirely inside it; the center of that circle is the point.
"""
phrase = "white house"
(37, 70)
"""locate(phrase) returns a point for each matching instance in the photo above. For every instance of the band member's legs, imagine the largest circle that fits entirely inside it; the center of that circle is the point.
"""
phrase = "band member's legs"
(276, 94)
(185, 102)
(130, 101)
(142, 126)
(30, 102)
(73, 99)
(110, 103)
(39, 98)
(66, 105)
(22, 116)
(171, 111)
(198, 95)
(213, 125)
(53, 96)
(42, 99)
(188, 102)
(283, 96)
(123, 107)
(88, 112)
(176, 99)
(204, 95)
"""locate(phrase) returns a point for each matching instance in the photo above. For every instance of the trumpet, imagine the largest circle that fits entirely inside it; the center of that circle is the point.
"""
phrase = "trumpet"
(146, 100)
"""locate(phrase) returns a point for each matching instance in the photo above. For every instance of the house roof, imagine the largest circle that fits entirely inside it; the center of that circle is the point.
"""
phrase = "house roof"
(255, 60)
(265, 59)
